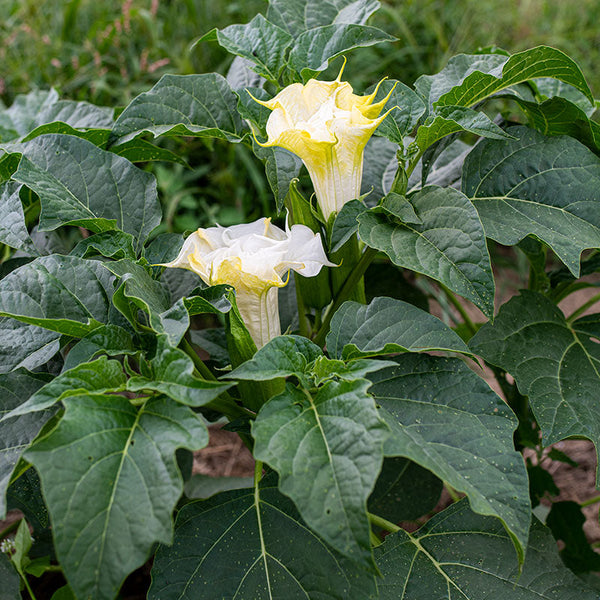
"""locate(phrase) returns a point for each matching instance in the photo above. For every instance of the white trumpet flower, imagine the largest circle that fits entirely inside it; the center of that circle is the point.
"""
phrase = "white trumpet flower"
(327, 126)
(253, 258)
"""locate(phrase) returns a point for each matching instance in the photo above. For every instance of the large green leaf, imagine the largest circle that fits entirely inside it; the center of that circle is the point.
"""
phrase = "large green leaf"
(98, 376)
(116, 496)
(23, 114)
(25, 346)
(198, 105)
(259, 41)
(10, 580)
(446, 120)
(458, 555)
(314, 48)
(79, 184)
(449, 246)
(13, 231)
(406, 108)
(447, 419)
(546, 186)
(554, 362)
(296, 16)
(252, 544)
(327, 448)
(468, 79)
(379, 167)
(62, 293)
(18, 432)
(387, 326)
(172, 374)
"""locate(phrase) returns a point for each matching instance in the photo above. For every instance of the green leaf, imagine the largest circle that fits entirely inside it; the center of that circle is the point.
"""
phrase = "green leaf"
(23, 543)
(259, 41)
(449, 246)
(398, 206)
(282, 356)
(446, 120)
(111, 244)
(324, 368)
(13, 231)
(447, 419)
(201, 486)
(16, 433)
(197, 105)
(240, 75)
(404, 491)
(566, 521)
(555, 363)
(387, 326)
(297, 16)
(172, 374)
(79, 184)
(140, 150)
(559, 116)
(115, 499)
(407, 109)
(345, 224)
(63, 293)
(379, 167)
(23, 114)
(98, 376)
(281, 167)
(252, 544)
(10, 580)
(468, 79)
(316, 47)
(25, 346)
(107, 339)
(458, 555)
(546, 186)
(552, 88)
(327, 448)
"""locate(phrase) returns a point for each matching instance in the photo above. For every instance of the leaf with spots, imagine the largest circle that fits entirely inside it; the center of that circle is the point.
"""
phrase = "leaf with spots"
(556, 363)
(251, 543)
(448, 246)
(115, 499)
(327, 448)
(459, 555)
(448, 420)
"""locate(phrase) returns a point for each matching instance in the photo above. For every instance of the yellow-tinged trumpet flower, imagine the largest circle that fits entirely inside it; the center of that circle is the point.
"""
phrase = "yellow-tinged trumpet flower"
(327, 126)
(253, 258)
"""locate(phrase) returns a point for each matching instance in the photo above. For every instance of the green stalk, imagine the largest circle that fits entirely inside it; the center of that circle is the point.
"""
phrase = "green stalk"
(583, 308)
(383, 523)
(345, 292)
(10, 528)
(459, 307)
(590, 501)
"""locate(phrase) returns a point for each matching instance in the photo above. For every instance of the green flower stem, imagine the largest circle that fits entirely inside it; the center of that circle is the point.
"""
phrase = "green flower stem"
(24, 579)
(459, 307)
(583, 308)
(345, 292)
(590, 501)
(224, 403)
(375, 541)
(258, 469)
(383, 523)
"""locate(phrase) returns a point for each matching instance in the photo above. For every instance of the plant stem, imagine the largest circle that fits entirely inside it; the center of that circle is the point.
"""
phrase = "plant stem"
(590, 501)
(375, 541)
(383, 523)
(258, 469)
(583, 308)
(452, 492)
(224, 403)
(460, 308)
(24, 578)
(361, 266)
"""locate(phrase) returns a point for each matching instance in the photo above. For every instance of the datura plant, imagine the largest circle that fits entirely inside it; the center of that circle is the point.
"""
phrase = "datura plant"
(403, 416)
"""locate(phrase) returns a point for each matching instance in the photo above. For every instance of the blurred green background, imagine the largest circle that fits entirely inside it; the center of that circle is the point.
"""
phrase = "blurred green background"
(109, 51)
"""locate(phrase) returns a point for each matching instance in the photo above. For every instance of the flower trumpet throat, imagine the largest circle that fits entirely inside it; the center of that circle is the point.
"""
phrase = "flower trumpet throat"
(254, 258)
(327, 126)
